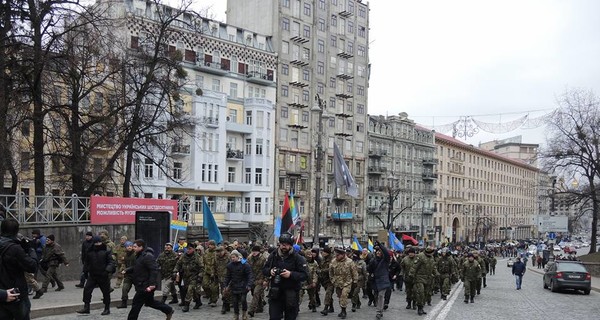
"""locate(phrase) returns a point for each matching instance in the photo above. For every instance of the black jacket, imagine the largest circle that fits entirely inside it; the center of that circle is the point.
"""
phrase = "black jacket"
(292, 262)
(99, 262)
(518, 268)
(16, 261)
(85, 247)
(144, 270)
(239, 277)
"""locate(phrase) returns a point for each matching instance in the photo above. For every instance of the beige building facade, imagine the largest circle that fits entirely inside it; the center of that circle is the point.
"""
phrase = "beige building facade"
(482, 195)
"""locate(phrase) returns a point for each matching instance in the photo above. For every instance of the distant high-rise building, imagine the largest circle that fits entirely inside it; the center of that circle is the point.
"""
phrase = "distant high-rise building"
(513, 148)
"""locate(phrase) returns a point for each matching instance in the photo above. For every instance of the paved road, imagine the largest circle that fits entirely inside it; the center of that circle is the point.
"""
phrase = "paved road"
(499, 300)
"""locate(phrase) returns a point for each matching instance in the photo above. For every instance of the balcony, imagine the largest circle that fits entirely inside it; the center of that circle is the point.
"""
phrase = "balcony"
(430, 162)
(212, 67)
(345, 13)
(300, 61)
(345, 74)
(180, 150)
(235, 154)
(298, 38)
(211, 122)
(260, 78)
(344, 54)
(430, 176)
(238, 127)
(344, 95)
(377, 170)
(299, 83)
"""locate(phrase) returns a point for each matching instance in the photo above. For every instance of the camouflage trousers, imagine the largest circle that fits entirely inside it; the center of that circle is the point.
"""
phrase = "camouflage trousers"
(328, 294)
(127, 284)
(343, 293)
(422, 292)
(191, 290)
(409, 289)
(258, 296)
(445, 284)
(356, 295)
(120, 275)
(169, 288)
(470, 288)
(211, 287)
(31, 282)
(52, 274)
(478, 284)
(312, 296)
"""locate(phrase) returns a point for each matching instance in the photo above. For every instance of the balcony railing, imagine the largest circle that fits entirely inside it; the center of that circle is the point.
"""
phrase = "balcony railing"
(180, 149)
(235, 154)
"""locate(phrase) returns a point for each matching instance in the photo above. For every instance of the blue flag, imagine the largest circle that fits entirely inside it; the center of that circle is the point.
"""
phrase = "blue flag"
(277, 227)
(394, 242)
(210, 224)
(355, 244)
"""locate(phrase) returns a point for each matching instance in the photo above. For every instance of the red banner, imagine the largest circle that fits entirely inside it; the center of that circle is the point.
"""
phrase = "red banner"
(110, 210)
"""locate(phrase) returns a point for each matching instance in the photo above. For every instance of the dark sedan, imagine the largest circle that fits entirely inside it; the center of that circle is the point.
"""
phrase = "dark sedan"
(563, 274)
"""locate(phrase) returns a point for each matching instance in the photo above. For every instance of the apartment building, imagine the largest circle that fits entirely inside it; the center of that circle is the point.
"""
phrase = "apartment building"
(231, 93)
(402, 176)
(322, 49)
(513, 148)
(482, 195)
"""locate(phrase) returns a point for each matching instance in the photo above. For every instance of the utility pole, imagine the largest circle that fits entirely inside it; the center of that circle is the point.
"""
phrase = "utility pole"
(319, 107)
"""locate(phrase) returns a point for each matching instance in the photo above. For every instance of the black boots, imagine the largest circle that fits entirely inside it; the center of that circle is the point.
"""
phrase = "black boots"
(225, 308)
(106, 310)
(38, 294)
(443, 297)
(420, 311)
(163, 299)
(472, 299)
(466, 299)
(414, 305)
(197, 304)
(123, 304)
(342, 314)
(174, 301)
(80, 285)
(186, 307)
(353, 307)
(409, 305)
(85, 309)
(325, 310)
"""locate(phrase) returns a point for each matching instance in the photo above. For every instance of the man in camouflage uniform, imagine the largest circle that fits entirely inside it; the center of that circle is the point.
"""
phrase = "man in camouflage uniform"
(493, 262)
(167, 261)
(210, 281)
(407, 264)
(222, 261)
(481, 262)
(470, 272)
(361, 268)
(446, 267)
(257, 262)
(343, 276)
(128, 261)
(325, 280)
(120, 252)
(188, 271)
(310, 285)
(110, 245)
(422, 272)
(54, 256)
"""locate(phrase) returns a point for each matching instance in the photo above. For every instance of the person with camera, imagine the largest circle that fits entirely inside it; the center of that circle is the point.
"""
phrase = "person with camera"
(16, 258)
(287, 270)
(98, 265)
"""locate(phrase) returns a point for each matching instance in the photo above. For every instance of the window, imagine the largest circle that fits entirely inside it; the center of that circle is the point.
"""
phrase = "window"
(233, 90)
(200, 82)
(305, 96)
(360, 127)
(230, 204)
(284, 90)
(258, 176)
(350, 27)
(231, 174)
(25, 161)
(247, 205)
(348, 124)
(248, 146)
(362, 12)
(285, 24)
(177, 170)
(304, 116)
(321, 46)
(333, 20)
(360, 109)
(307, 9)
(216, 85)
(283, 134)
(148, 168)
(360, 90)
(332, 82)
(303, 162)
(361, 31)
(281, 183)
(285, 47)
(306, 75)
(249, 118)
(259, 146)
(333, 41)
(285, 3)
(285, 69)
(257, 205)
(321, 24)
(307, 31)
(284, 112)
(361, 51)
(248, 176)
(320, 88)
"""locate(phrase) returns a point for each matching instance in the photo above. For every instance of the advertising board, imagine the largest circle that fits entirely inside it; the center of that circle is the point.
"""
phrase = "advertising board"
(553, 223)
(110, 210)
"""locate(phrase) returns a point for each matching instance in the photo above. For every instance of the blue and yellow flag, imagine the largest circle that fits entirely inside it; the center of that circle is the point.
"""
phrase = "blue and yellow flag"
(370, 245)
(355, 245)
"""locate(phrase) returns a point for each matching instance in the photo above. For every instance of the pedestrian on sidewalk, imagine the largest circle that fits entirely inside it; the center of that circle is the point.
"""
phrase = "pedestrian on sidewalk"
(53, 256)
(518, 270)
(145, 274)
(127, 280)
(98, 265)
(86, 245)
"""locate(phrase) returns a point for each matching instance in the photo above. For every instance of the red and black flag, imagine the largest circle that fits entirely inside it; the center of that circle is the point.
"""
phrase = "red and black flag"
(287, 222)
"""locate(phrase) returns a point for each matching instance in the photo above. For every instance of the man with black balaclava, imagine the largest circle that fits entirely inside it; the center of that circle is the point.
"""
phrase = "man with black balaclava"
(98, 265)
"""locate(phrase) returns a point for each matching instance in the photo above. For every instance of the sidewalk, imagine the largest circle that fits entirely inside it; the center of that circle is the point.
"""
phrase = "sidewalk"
(595, 280)
(70, 299)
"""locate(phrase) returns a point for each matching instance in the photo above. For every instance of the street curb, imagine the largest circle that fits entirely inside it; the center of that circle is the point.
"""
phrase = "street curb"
(72, 308)
(542, 273)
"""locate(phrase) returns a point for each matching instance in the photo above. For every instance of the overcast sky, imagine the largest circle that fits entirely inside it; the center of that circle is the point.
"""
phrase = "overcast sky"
(438, 60)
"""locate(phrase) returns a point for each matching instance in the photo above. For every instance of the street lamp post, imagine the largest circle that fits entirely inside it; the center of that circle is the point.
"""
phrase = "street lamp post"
(318, 107)
(422, 219)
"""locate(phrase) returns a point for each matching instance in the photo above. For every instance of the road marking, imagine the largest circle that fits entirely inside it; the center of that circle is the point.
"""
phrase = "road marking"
(445, 305)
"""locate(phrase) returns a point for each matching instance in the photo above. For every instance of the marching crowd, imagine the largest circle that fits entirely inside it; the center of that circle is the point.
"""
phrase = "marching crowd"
(281, 277)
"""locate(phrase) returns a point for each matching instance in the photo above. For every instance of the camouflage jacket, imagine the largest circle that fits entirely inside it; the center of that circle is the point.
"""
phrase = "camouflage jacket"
(209, 259)
(313, 277)
(423, 269)
(221, 263)
(120, 251)
(482, 265)
(189, 267)
(470, 271)
(446, 266)
(361, 269)
(324, 278)
(406, 264)
(257, 263)
(167, 261)
(54, 255)
(339, 275)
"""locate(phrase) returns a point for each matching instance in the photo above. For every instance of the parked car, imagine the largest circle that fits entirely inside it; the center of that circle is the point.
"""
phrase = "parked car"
(564, 274)
(585, 244)
(557, 248)
(568, 250)
(510, 262)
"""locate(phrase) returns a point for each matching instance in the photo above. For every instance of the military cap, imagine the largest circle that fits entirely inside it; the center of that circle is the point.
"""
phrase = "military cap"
(470, 255)
(429, 250)
(89, 233)
(340, 250)
(169, 244)
(315, 250)
(474, 252)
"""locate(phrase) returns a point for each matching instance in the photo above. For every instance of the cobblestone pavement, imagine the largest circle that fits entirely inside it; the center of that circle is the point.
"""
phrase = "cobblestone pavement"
(499, 300)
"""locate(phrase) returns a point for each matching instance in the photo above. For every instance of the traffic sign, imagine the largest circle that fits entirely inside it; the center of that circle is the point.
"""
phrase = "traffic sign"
(551, 235)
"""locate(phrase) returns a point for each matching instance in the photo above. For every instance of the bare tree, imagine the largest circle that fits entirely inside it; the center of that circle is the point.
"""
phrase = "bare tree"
(573, 148)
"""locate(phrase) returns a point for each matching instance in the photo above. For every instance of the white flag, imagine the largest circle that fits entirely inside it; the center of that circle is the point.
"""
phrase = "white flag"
(342, 174)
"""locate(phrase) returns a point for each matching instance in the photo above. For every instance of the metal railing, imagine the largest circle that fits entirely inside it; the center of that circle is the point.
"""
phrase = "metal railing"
(47, 209)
